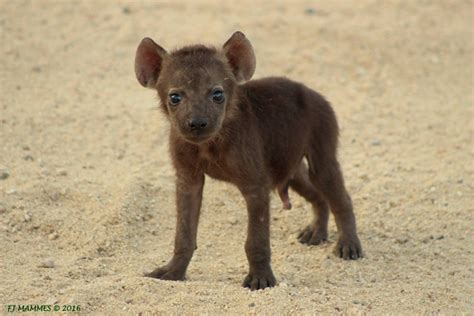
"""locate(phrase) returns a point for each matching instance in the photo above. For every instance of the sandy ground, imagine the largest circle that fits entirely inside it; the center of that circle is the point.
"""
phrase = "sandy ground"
(89, 187)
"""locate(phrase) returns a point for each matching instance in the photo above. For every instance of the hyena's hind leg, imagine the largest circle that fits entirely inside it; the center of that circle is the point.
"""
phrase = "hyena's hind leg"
(317, 232)
(326, 175)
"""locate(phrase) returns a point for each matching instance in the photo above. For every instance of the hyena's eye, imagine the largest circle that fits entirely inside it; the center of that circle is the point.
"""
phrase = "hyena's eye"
(218, 96)
(175, 98)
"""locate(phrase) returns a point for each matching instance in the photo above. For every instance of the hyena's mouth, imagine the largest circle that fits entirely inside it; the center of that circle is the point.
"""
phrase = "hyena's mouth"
(198, 138)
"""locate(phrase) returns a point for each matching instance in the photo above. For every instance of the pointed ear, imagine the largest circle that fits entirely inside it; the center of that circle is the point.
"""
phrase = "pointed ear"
(148, 60)
(240, 56)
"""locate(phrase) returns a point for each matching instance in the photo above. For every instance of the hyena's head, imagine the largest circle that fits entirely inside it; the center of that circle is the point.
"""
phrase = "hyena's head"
(196, 83)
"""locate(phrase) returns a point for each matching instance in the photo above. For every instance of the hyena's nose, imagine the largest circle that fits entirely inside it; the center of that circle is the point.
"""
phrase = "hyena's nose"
(197, 123)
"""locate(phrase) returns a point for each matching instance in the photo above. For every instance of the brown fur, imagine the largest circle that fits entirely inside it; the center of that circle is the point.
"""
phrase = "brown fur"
(256, 139)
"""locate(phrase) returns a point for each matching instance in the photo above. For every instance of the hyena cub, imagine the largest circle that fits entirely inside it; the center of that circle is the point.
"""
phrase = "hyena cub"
(253, 134)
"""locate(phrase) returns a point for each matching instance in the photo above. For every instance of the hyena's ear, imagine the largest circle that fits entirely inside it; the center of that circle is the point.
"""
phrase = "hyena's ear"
(240, 56)
(148, 60)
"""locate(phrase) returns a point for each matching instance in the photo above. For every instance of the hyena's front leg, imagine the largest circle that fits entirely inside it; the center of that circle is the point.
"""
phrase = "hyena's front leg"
(257, 246)
(189, 197)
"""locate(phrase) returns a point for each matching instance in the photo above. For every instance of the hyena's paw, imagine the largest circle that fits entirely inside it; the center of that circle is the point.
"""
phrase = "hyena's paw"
(259, 281)
(166, 273)
(348, 248)
(310, 235)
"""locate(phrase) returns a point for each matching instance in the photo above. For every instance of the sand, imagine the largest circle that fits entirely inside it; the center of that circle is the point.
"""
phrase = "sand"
(87, 187)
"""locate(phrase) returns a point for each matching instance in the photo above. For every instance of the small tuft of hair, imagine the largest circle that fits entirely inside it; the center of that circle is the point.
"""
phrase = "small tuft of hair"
(194, 51)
